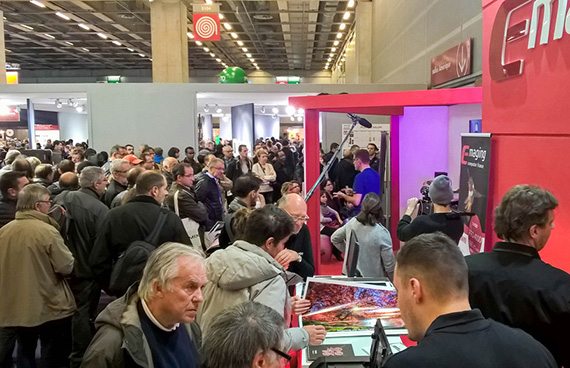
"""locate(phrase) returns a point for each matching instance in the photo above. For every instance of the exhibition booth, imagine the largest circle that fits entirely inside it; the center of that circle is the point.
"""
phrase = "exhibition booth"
(425, 137)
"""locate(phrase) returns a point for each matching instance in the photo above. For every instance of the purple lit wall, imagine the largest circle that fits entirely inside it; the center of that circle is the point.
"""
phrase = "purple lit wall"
(423, 133)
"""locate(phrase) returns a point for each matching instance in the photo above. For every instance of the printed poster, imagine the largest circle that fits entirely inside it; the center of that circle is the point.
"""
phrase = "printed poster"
(474, 190)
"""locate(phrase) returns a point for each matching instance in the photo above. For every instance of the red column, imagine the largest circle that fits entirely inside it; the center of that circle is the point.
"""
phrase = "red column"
(394, 179)
(312, 172)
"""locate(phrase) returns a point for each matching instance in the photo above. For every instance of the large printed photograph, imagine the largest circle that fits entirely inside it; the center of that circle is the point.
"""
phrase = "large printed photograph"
(348, 307)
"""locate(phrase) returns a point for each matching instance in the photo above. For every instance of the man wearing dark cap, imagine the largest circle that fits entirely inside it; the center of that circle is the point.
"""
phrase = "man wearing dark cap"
(442, 219)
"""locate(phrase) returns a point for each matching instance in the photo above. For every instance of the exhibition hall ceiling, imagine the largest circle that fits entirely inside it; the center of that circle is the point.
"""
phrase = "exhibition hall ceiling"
(93, 34)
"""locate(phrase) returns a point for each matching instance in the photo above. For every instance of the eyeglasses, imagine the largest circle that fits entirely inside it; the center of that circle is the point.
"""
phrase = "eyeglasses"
(300, 218)
(49, 201)
(120, 172)
(285, 358)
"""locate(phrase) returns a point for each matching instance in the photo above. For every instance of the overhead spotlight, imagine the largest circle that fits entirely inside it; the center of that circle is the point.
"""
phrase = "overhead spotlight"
(290, 110)
(275, 110)
(326, 67)
(339, 35)
(226, 118)
(72, 103)
(63, 16)
(350, 4)
(262, 110)
(218, 109)
(84, 26)
(190, 35)
(37, 3)
(346, 15)
(336, 43)
(68, 43)
(221, 15)
(299, 118)
(252, 60)
(142, 55)
(49, 36)
(333, 49)
(301, 112)
(240, 43)
(206, 108)
(58, 104)
(102, 35)
(227, 26)
(248, 55)
(206, 49)
(131, 50)
(212, 54)
(342, 26)
(208, 1)
(274, 116)
(292, 118)
(256, 67)
(234, 35)
(331, 54)
(219, 60)
(85, 49)
(116, 42)
(27, 27)
(329, 60)
(80, 108)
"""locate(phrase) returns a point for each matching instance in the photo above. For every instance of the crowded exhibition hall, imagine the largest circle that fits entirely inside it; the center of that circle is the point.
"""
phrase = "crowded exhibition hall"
(292, 183)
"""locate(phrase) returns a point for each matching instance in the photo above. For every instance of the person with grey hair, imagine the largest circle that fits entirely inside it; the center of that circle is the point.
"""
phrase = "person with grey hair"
(11, 156)
(84, 213)
(36, 299)
(152, 325)
(246, 335)
(118, 183)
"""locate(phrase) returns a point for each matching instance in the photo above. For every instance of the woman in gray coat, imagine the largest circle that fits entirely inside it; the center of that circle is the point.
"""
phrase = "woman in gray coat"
(376, 258)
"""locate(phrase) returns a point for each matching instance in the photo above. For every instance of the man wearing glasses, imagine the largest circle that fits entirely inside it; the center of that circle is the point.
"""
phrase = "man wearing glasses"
(36, 299)
(208, 191)
(246, 335)
(119, 182)
(297, 256)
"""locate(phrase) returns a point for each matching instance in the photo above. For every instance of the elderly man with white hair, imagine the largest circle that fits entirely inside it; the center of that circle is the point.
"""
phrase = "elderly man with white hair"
(152, 325)
(118, 183)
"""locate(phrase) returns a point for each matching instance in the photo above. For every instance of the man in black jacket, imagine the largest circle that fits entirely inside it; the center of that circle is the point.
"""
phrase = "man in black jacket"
(85, 213)
(208, 191)
(511, 284)
(134, 220)
(297, 256)
(11, 183)
(240, 166)
(345, 171)
(433, 297)
(118, 183)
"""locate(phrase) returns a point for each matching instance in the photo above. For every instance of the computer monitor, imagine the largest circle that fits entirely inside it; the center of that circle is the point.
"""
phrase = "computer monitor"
(43, 154)
(352, 255)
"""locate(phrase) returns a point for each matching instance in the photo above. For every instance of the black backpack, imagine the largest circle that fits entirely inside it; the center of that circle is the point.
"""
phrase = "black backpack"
(129, 266)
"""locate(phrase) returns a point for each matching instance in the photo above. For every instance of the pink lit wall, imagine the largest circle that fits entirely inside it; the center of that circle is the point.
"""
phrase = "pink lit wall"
(423, 133)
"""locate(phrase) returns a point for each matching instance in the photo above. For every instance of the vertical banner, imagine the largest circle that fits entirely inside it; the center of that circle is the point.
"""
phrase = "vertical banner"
(206, 20)
(474, 190)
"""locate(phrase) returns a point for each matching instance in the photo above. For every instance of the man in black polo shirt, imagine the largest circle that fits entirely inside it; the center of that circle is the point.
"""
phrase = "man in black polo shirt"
(512, 284)
(433, 297)
(152, 325)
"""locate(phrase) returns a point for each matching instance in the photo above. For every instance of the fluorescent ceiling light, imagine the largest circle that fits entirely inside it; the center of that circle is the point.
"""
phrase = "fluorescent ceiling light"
(333, 49)
(221, 16)
(37, 3)
(63, 16)
(227, 26)
(342, 26)
(256, 67)
(252, 60)
(336, 43)
(49, 36)
(116, 43)
(131, 50)
(198, 43)
(248, 55)
(212, 54)
(190, 35)
(84, 26)
(339, 35)
(350, 4)
(219, 60)
(68, 43)
(206, 49)
(102, 35)
(234, 35)
(240, 43)
(244, 49)
(85, 49)
(346, 15)
(26, 27)
(275, 110)
(142, 55)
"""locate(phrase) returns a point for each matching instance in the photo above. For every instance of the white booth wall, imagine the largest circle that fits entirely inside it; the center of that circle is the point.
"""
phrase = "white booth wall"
(73, 126)
(265, 126)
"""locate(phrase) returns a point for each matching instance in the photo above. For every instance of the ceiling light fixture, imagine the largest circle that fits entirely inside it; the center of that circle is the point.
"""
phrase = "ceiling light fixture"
(80, 108)
(240, 43)
(198, 43)
(190, 35)
(262, 110)
(274, 116)
(68, 43)
(256, 67)
(131, 50)
(208, 1)
(339, 35)
(252, 60)
(84, 26)
(72, 103)
(342, 26)
(206, 108)
(290, 110)
(346, 15)
(102, 35)
(336, 43)
(206, 49)
(329, 60)
(275, 110)
(331, 54)
(63, 16)
(212, 54)
(227, 26)
(58, 104)
(299, 118)
(350, 4)
(49, 36)
(26, 27)
(85, 49)
(301, 112)
(37, 3)
(234, 35)
(218, 109)
(333, 49)
(221, 16)
(116, 42)
(248, 55)
(244, 49)
(292, 118)
(219, 60)
(142, 55)
(326, 66)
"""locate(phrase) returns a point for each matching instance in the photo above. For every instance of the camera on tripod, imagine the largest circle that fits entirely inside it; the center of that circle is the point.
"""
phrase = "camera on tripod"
(425, 204)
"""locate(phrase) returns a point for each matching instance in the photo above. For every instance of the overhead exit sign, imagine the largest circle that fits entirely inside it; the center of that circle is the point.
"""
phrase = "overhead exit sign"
(288, 80)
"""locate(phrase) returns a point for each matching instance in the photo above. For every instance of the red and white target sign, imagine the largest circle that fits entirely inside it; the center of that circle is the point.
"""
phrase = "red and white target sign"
(206, 27)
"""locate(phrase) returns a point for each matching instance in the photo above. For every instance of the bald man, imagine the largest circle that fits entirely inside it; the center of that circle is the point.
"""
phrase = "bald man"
(297, 256)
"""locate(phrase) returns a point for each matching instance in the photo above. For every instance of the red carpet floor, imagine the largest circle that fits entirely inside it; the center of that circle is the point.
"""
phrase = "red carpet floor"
(332, 267)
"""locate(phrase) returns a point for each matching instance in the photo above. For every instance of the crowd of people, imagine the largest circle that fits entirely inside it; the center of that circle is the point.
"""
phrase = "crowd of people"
(211, 243)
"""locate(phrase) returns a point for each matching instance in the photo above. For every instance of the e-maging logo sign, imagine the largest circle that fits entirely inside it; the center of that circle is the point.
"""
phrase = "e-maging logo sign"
(518, 26)
(206, 27)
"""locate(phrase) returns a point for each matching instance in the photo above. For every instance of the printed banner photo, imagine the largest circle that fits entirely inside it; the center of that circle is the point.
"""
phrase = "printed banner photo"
(474, 190)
